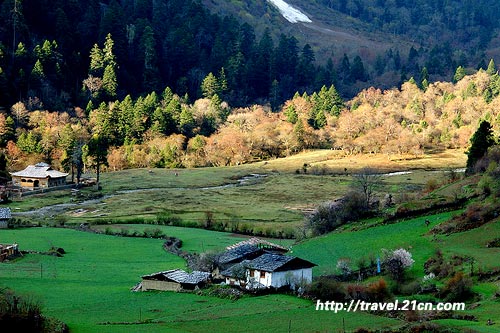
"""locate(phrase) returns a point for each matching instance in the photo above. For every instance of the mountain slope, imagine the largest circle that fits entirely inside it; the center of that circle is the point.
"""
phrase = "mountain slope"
(395, 39)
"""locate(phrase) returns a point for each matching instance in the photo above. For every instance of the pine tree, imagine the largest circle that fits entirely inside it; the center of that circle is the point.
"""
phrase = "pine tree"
(481, 140)
(107, 51)
(96, 61)
(109, 81)
(151, 75)
(186, 122)
(459, 74)
(222, 80)
(358, 69)
(210, 86)
(491, 67)
(291, 114)
(38, 72)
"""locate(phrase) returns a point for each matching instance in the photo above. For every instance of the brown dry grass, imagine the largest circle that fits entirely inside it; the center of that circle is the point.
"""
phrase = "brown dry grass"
(337, 162)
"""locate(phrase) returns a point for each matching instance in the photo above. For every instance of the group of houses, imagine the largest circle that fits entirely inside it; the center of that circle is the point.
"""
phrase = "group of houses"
(251, 264)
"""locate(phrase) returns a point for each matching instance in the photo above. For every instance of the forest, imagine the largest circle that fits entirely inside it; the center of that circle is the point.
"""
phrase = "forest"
(45, 48)
(133, 84)
(164, 130)
(155, 44)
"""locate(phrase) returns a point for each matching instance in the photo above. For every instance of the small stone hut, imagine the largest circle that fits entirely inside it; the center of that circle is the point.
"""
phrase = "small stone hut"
(174, 280)
(40, 175)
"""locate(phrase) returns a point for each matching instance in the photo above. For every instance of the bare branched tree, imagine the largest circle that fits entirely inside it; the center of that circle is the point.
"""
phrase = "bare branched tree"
(367, 181)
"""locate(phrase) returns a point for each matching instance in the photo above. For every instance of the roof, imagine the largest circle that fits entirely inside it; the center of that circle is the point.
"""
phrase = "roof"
(233, 270)
(260, 243)
(179, 276)
(239, 253)
(269, 262)
(39, 170)
(5, 213)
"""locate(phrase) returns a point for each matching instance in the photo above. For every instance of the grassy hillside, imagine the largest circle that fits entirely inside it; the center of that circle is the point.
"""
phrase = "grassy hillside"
(89, 289)
(272, 204)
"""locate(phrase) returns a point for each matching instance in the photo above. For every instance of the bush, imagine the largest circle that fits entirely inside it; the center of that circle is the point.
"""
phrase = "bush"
(153, 233)
(224, 292)
(475, 216)
(438, 266)
(166, 218)
(326, 289)
(23, 314)
(458, 288)
(431, 185)
(396, 262)
(374, 292)
(330, 215)
(378, 291)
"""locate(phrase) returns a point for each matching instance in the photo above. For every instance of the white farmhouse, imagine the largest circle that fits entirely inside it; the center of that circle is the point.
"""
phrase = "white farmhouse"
(269, 270)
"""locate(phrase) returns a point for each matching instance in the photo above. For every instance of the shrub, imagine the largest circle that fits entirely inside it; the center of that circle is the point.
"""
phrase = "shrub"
(344, 266)
(378, 291)
(357, 291)
(493, 243)
(438, 266)
(431, 185)
(457, 288)
(166, 218)
(153, 233)
(396, 262)
(327, 289)
(330, 215)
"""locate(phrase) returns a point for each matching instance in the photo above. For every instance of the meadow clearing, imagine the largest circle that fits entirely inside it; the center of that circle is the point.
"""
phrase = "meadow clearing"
(89, 287)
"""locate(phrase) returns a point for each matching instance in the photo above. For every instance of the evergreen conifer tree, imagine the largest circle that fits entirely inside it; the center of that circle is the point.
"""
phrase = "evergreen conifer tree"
(481, 140)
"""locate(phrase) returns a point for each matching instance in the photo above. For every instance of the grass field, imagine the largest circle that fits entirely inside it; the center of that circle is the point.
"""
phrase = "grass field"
(271, 205)
(90, 286)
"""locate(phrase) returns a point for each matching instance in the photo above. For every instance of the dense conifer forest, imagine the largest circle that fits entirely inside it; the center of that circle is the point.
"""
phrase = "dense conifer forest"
(169, 84)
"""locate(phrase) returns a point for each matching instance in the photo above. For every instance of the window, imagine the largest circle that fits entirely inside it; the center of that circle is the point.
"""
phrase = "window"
(262, 275)
(252, 272)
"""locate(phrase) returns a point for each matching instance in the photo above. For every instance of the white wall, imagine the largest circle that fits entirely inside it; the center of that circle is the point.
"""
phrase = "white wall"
(280, 279)
(274, 279)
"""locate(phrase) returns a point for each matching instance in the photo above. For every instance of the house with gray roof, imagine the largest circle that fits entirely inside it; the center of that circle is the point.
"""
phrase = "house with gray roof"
(174, 280)
(245, 250)
(269, 270)
(40, 175)
(5, 217)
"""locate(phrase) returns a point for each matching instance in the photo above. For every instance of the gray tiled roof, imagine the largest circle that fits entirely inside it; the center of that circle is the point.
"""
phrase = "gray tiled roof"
(260, 243)
(269, 262)
(180, 276)
(40, 170)
(5, 213)
(196, 277)
(238, 253)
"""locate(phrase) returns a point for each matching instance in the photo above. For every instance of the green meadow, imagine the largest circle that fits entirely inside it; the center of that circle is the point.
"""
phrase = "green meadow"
(89, 287)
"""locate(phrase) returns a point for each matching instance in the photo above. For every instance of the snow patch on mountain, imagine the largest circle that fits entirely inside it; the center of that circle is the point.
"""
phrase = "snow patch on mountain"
(290, 13)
